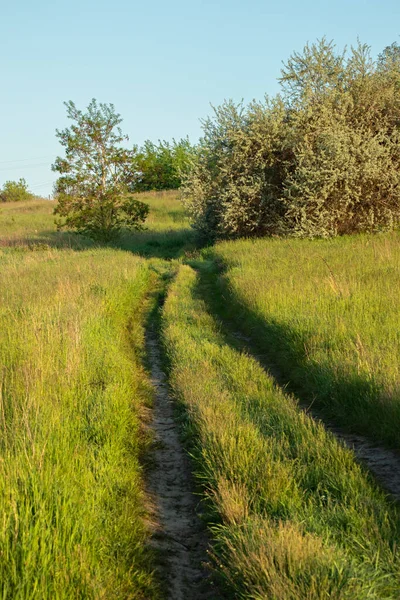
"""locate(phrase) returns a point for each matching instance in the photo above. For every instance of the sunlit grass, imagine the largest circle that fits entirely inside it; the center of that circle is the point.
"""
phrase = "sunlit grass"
(294, 515)
(167, 233)
(71, 334)
(73, 395)
(327, 313)
(21, 220)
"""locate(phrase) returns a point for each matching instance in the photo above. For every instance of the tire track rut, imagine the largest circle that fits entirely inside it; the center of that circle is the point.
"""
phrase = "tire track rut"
(383, 463)
(179, 536)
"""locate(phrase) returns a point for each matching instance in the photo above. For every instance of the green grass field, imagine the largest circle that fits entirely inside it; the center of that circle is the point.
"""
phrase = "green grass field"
(74, 396)
(73, 389)
(167, 233)
(327, 314)
(291, 513)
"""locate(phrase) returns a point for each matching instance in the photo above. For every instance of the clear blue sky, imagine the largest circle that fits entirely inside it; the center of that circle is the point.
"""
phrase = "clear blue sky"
(160, 62)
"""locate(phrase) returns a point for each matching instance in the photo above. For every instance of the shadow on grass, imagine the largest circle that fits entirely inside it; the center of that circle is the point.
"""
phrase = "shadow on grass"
(168, 244)
(47, 240)
(348, 399)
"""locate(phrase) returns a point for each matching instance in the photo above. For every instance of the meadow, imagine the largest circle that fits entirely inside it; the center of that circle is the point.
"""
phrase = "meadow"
(326, 313)
(167, 232)
(75, 399)
(291, 513)
(73, 390)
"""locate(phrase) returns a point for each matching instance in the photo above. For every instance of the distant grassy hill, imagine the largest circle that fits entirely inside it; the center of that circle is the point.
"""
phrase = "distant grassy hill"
(31, 224)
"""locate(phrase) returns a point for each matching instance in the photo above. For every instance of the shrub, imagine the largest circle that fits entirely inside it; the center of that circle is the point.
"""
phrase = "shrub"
(94, 191)
(322, 159)
(15, 191)
(232, 188)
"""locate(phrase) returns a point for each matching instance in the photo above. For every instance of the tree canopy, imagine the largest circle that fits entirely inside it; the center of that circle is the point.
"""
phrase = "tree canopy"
(161, 166)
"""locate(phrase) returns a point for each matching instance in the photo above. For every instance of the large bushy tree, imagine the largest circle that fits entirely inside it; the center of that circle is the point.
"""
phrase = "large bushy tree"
(321, 159)
(95, 190)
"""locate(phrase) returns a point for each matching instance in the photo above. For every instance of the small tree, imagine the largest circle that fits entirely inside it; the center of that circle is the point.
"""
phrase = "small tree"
(15, 191)
(94, 191)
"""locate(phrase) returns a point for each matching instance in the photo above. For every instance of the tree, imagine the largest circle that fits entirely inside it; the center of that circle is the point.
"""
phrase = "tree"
(389, 58)
(15, 191)
(319, 160)
(95, 190)
(160, 166)
(312, 72)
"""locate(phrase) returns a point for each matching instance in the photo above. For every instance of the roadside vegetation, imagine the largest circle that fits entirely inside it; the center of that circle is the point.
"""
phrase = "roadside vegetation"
(72, 394)
(294, 516)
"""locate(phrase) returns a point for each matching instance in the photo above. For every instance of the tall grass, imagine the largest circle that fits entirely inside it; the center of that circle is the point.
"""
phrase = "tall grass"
(167, 231)
(22, 220)
(327, 313)
(73, 400)
(167, 234)
(294, 515)
(73, 392)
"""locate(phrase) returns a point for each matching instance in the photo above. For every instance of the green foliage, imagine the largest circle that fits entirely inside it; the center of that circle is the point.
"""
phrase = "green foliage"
(232, 188)
(160, 166)
(94, 191)
(321, 160)
(101, 217)
(389, 59)
(15, 191)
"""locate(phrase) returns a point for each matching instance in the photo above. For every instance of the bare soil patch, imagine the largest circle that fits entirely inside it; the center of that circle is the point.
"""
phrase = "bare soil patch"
(179, 534)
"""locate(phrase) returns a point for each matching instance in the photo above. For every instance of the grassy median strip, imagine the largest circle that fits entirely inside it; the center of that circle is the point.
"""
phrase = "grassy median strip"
(72, 395)
(327, 313)
(294, 516)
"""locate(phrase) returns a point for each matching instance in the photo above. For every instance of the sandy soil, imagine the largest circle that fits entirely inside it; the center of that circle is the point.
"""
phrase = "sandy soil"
(384, 464)
(179, 535)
